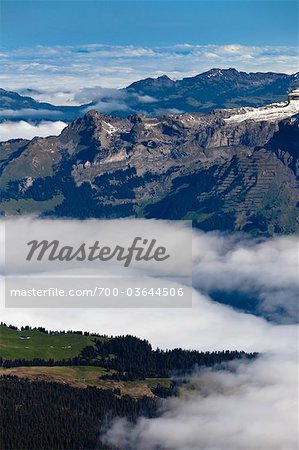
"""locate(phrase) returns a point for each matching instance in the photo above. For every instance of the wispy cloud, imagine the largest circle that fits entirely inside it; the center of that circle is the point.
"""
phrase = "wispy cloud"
(59, 72)
(28, 113)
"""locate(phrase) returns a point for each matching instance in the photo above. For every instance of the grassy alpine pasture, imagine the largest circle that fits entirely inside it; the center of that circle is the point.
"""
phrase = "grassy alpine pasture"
(83, 376)
(40, 345)
(80, 376)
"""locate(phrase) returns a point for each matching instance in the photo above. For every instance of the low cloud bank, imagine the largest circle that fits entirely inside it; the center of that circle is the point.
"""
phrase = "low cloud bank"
(251, 406)
(261, 273)
(112, 100)
(225, 261)
(28, 113)
(26, 130)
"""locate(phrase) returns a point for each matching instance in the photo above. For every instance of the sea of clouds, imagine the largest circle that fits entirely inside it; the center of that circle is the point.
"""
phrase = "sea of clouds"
(244, 405)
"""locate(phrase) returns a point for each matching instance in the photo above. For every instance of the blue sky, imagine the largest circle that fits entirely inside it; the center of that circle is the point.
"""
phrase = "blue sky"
(148, 23)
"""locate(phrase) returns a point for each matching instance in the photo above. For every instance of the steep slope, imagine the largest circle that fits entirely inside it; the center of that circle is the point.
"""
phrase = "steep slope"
(219, 171)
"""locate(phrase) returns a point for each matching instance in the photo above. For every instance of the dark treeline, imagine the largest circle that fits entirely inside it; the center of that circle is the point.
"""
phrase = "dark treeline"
(39, 362)
(134, 358)
(50, 332)
(41, 415)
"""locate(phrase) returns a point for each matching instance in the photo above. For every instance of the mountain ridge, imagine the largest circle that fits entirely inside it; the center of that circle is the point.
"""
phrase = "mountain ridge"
(216, 88)
(223, 174)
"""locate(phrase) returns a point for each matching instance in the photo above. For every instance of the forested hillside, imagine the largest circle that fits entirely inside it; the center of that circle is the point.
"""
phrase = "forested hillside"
(58, 389)
(39, 415)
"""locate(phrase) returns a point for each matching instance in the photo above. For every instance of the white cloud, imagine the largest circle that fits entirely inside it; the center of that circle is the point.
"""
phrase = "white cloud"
(146, 99)
(26, 130)
(208, 325)
(109, 100)
(249, 406)
(233, 48)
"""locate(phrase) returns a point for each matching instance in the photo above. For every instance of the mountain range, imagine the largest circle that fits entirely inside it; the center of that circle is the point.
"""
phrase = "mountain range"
(216, 88)
(232, 169)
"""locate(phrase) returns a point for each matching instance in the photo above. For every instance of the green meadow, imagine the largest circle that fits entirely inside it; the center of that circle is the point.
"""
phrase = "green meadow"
(40, 345)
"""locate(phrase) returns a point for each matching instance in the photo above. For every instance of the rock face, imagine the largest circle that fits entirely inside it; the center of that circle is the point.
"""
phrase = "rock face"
(221, 173)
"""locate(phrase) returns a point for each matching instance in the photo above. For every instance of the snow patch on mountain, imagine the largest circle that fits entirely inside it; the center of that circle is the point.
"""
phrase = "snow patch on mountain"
(270, 113)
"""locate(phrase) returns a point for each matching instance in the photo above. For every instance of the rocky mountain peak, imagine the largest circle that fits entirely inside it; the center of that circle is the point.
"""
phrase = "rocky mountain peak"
(152, 84)
(165, 79)
(136, 118)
